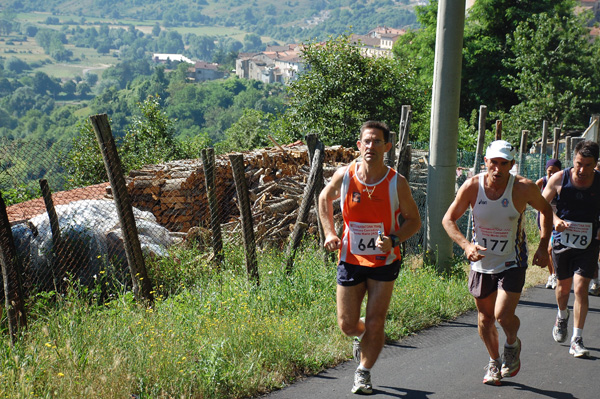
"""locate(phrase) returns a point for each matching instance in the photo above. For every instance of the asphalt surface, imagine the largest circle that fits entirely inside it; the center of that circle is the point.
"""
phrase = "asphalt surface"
(448, 361)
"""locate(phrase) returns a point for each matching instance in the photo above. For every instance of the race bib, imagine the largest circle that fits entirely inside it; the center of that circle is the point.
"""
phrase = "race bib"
(495, 240)
(578, 235)
(363, 237)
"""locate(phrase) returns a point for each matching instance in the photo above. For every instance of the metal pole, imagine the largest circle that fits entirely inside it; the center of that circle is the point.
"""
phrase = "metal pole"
(444, 127)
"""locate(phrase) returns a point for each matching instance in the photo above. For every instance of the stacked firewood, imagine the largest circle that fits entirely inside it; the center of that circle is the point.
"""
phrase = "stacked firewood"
(175, 191)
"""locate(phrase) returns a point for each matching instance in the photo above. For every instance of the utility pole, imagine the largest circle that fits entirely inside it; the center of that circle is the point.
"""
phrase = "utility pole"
(443, 140)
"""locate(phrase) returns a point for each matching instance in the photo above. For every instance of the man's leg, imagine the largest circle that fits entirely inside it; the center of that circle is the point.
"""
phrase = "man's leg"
(562, 292)
(349, 301)
(378, 302)
(581, 305)
(506, 304)
(486, 323)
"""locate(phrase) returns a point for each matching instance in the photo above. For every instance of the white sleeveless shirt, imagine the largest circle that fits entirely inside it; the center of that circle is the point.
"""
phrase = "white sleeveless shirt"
(497, 227)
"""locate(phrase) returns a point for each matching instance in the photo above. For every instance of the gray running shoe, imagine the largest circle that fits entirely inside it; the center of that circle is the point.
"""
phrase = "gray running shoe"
(356, 349)
(511, 361)
(594, 287)
(559, 332)
(493, 374)
(577, 349)
(362, 382)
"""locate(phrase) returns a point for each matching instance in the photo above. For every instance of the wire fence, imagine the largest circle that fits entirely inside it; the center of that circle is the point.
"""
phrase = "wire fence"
(77, 235)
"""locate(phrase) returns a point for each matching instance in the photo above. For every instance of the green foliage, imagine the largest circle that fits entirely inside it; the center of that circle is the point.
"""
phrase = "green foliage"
(19, 194)
(488, 24)
(210, 333)
(342, 89)
(150, 139)
(549, 85)
(249, 132)
(84, 164)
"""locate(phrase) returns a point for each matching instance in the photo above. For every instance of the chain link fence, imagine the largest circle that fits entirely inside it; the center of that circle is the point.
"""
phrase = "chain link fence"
(76, 235)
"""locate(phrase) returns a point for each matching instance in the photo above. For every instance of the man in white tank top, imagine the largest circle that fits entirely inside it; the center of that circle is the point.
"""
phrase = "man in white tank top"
(498, 252)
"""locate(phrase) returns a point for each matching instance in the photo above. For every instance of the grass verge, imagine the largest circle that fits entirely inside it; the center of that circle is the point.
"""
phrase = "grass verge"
(210, 333)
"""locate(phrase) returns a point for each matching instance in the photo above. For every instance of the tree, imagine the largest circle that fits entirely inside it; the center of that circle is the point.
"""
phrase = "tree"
(249, 132)
(150, 138)
(549, 85)
(84, 164)
(341, 89)
(486, 28)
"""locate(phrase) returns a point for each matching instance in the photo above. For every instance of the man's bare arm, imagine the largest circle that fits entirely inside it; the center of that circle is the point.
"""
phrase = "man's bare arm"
(326, 198)
(466, 196)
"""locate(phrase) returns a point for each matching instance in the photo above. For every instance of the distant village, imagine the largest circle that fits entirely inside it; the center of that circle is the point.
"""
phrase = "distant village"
(282, 64)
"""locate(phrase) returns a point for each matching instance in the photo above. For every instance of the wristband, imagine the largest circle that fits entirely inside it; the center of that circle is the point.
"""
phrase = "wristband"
(395, 240)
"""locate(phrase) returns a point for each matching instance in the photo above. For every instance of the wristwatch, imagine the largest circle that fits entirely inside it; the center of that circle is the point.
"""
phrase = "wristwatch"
(395, 240)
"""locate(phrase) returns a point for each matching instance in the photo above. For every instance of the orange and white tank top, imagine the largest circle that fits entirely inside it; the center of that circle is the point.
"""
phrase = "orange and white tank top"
(368, 209)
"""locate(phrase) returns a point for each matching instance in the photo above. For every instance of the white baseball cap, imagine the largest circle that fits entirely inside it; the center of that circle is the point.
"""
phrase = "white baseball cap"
(500, 149)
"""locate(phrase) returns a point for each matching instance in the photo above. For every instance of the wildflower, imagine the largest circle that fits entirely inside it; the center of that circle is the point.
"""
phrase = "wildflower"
(60, 374)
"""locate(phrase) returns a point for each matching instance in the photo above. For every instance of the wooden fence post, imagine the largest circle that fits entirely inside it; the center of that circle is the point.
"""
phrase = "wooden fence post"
(574, 142)
(498, 134)
(142, 286)
(522, 151)
(555, 146)
(543, 152)
(390, 156)
(208, 163)
(309, 192)
(568, 152)
(312, 142)
(241, 187)
(11, 273)
(478, 158)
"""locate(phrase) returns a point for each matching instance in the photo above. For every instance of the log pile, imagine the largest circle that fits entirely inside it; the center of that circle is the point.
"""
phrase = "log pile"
(175, 191)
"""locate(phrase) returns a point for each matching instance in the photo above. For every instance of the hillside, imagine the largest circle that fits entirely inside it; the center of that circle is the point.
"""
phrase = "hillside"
(290, 20)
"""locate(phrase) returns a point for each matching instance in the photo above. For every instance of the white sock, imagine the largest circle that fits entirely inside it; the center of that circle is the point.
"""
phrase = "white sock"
(507, 345)
(577, 332)
(563, 314)
(363, 368)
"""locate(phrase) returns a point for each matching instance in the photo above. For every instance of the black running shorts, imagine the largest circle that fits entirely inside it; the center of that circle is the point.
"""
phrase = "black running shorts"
(349, 274)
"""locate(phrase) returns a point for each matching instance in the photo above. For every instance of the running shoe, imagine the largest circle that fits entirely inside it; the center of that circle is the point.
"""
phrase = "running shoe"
(594, 287)
(559, 332)
(493, 374)
(551, 283)
(362, 382)
(577, 349)
(511, 361)
(356, 349)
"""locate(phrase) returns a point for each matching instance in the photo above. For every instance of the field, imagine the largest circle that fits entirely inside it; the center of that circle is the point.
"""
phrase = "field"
(88, 59)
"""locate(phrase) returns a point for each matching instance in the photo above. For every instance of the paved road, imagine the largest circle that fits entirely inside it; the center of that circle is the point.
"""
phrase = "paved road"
(448, 362)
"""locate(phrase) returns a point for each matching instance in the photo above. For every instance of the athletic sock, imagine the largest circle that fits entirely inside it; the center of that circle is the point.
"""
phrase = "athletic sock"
(507, 345)
(577, 332)
(563, 314)
(363, 368)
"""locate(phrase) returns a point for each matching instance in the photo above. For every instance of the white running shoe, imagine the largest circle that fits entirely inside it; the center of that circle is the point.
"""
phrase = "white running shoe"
(362, 382)
(551, 283)
(577, 349)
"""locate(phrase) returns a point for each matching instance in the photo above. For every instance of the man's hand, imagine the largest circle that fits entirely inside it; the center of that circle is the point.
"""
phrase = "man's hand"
(472, 252)
(541, 257)
(384, 245)
(332, 243)
(561, 226)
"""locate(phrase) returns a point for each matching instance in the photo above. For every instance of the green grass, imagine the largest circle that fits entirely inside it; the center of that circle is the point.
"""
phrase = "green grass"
(210, 334)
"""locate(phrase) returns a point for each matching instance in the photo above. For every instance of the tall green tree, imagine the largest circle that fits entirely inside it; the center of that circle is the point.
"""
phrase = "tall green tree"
(341, 89)
(549, 84)
(487, 26)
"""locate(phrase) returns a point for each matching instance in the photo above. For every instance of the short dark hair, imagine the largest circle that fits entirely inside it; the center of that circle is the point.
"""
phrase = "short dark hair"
(376, 125)
(587, 149)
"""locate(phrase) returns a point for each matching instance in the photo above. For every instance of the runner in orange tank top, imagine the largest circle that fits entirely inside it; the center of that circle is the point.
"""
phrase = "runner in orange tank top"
(372, 197)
